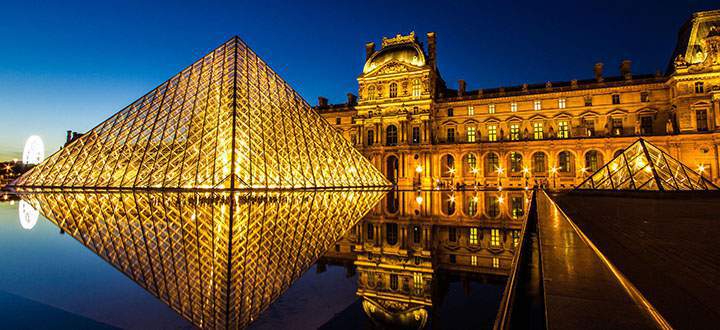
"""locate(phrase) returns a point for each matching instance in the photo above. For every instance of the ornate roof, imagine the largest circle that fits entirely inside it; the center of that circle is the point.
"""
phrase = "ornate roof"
(404, 49)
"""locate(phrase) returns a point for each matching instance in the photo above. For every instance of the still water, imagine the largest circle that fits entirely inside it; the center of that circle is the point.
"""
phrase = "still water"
(301, 260)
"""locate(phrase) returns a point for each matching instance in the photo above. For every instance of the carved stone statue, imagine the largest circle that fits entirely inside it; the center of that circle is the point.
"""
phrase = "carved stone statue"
(551, 133)
(637, 127)
(669, 126)
(526, 134)
(502, 135)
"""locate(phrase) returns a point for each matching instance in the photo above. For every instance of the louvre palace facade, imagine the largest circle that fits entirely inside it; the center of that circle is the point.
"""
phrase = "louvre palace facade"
(421, 133)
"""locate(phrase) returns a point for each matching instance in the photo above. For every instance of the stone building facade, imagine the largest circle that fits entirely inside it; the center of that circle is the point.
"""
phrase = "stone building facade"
(421, 133)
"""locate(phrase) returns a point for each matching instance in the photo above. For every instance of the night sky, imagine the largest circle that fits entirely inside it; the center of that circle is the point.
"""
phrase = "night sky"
(71, 65)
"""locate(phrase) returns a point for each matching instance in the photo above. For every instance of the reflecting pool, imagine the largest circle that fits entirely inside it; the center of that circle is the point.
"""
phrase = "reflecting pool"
(267, 260)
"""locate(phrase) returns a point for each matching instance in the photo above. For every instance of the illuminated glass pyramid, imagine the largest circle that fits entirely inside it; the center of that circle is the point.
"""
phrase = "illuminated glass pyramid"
(226, 121)
(643, 166)
(217, 258)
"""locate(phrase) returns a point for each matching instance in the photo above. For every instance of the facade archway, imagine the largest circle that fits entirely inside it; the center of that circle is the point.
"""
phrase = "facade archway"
(593, 160)
(392, 168)
(447, 165)
(566, 163)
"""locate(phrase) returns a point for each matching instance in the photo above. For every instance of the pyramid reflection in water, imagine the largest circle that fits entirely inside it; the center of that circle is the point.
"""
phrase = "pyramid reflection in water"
(217, 258)
(643, 166)
(226, 121)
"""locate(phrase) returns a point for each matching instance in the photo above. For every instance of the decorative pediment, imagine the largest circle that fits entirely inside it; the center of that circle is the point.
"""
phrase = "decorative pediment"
(470, 122)
(647, 111)
(538, 117)
(617, 113)
(449, 122)
(589, 113)
(562, 115)
(491, 120)
(514, 119)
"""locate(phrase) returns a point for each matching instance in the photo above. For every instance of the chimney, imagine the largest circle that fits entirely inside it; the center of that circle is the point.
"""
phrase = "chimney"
(369, 50)
(461, 87)
(625, 69)
(598, 72)
(431, 48)
(322, 102)
(75, 135)
(351, 99)
(69, 137)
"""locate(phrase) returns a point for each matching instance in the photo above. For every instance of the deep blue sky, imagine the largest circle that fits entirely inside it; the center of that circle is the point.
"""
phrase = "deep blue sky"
(68, 65)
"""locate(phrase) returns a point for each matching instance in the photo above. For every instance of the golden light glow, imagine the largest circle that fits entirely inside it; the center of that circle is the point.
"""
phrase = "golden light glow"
(223, 248)
(451, 170)
(419, 199)
(244, 146)
(701, 168)
(418, 169)
(474, 170)
(500, 199)
(526, 170)
(553, 170)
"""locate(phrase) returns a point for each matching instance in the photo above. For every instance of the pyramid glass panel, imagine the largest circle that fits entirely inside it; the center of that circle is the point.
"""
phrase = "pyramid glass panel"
(218, 258)
(643, 166)
(226, 121)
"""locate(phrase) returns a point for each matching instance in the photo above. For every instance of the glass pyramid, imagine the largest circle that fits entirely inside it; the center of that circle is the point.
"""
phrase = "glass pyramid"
(226, 121)
(218, 258)
(643, 166)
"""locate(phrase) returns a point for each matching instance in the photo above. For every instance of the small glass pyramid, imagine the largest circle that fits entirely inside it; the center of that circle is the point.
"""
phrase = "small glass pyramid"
(643, 166)
(227, 121)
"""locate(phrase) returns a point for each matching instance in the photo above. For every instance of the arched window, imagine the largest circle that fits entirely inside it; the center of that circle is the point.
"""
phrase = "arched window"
(592, 160)
(564, 162)
(370, 137)
(391, 233)
(416, 87)
(492, 163)
(539, 163)
(618, 152)
(391, 135)
(448, 166)
(515, 162)
(471, 203)
(470, 164)
(492, 205)
(371, 93)
(393, 90)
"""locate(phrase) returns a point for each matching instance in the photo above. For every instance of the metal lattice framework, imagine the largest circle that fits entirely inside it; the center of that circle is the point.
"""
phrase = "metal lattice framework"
(217, 258)
(226, 121)
(643, 166)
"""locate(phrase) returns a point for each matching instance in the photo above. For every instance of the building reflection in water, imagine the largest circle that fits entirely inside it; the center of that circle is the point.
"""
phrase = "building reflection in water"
(407, 248)
(217, 258)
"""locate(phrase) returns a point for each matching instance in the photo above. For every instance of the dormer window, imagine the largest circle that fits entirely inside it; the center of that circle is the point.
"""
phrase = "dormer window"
(416, 87)
(644, 97)
(491, 108)
(513, 107)
(450, 112)
(537, 105)
(371, 93)
(561, 103)
(616, 99)
(470, 110)
(699, 87)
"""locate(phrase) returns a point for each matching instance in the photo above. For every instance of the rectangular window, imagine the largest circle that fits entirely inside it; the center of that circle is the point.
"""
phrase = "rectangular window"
(496, 262)
(492, 133)
(646, 125)
(538, 131)
(589, 127)
(416, 234)
(416, 87)
(699, 87)
(563, 129)
(370, 231)
(416, 135)
(418, 283)
(514, 132)
(471, 110)
(616, 99)
(588, 101)
(451, 135)
(701, 119)
(452, 234)
(471, 134)
(513, 107)
(338, 120)
(561, 103)
(473, 260)
(494, 237)
(537, 105)
(453, 259)
(370, 137)
(393, 281)
(491, 108)
(644, 97)
(617, 126)
(492, 206)
(473, 236)
(450, 112)
(517, 205)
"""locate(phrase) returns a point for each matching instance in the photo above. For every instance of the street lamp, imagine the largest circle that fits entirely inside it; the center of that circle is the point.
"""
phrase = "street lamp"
(474, 171)
(452, 177)
(553, 172)
(701, 170)
(499, 171)
(526, 175)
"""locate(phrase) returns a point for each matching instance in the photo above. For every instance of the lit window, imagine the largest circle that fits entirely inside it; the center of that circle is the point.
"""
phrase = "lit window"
(592, 161)
(371, 93)
(515, 162)
(418, 283)
(393, 90)
(617, 126)
(517, 206)
(699, 87)
(471, 110)
(493, 163)
(563, 129)
(616, 99)
(514, 132)
(492, 133)
(471, 134)
(588, 101)
(393, 281)
(537, 105)
(496, 262)
(538, 131)
(564, 164)
(450, 112)
(561, 103)
(701, 120)
(473, 260)
(491, 108)
(494, 237)
(538, 163)
(416, 87)
(473, 235)
(492, 206)
(513, 107)
(471, 161)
